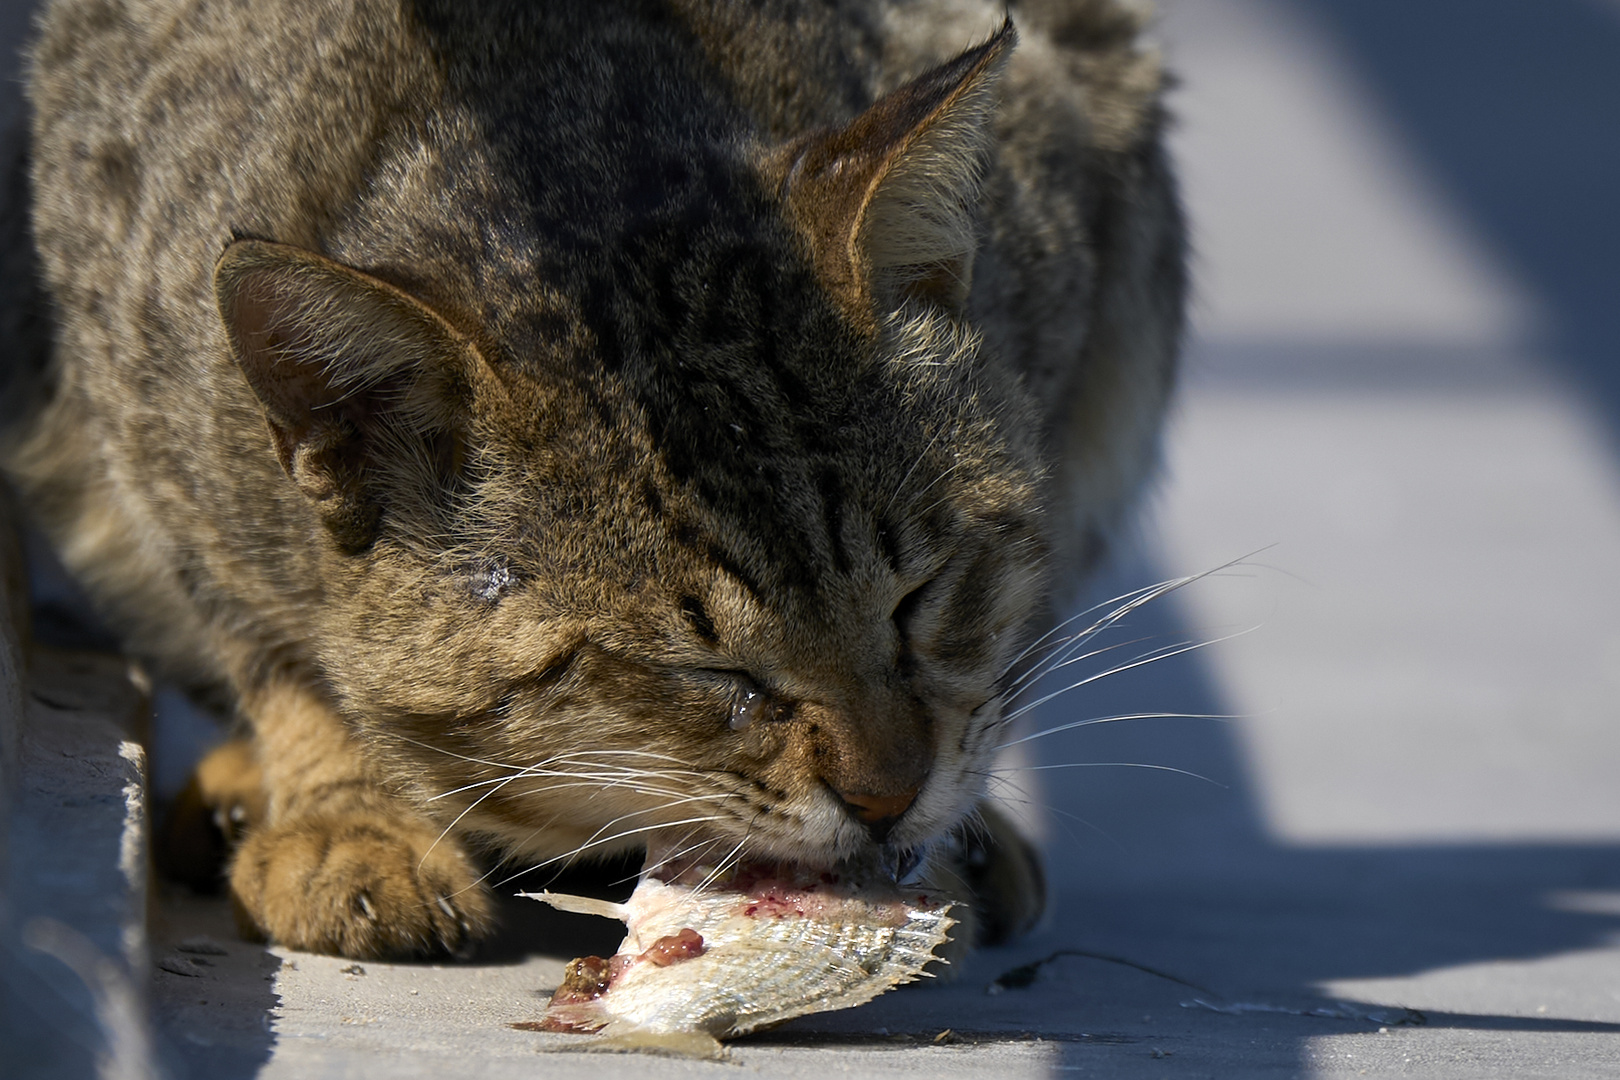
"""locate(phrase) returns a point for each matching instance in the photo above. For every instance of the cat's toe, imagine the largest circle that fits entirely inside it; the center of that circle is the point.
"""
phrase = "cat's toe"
(365, 886)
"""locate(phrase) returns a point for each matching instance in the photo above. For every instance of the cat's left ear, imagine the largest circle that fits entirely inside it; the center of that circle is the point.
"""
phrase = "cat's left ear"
(889, 201)
(363, 387)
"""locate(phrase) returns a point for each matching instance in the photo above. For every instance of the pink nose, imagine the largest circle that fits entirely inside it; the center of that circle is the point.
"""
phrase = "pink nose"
(872, 809)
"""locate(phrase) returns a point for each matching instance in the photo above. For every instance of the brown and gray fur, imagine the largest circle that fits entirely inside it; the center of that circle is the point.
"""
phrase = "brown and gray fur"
(488, 397)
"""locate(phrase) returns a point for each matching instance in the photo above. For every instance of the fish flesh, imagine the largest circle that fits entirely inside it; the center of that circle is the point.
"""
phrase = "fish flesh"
(709, 957)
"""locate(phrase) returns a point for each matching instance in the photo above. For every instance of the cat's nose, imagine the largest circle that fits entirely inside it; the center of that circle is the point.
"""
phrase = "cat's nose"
(879, 813)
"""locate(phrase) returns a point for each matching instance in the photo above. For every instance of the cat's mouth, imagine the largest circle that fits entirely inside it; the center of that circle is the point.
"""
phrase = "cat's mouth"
(890, 866)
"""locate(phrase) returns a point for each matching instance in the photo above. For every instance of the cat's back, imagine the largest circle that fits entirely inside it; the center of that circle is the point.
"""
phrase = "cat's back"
(161, 124)
(166, 116)
(164, 128)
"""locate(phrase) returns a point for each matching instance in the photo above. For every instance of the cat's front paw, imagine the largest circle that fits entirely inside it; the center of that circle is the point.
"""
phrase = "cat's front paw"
(366, 885)
(1002, 875)
(222, 802)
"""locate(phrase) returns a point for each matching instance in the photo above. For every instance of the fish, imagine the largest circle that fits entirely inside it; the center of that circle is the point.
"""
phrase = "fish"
(710, 956)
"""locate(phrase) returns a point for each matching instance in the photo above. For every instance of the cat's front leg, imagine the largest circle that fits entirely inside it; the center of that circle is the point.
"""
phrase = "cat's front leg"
(340, 864)
(1000, 874)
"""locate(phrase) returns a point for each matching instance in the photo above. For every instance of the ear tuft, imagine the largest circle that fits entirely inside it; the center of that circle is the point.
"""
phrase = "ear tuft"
(889, 202)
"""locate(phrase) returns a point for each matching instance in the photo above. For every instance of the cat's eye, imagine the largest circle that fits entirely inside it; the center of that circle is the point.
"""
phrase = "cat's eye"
(750, 706)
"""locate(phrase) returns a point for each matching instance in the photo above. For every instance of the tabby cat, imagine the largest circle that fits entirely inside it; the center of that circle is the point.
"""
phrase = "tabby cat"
(550, 425)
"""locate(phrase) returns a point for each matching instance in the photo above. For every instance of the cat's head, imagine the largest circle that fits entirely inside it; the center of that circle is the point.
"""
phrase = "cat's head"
(717, 523)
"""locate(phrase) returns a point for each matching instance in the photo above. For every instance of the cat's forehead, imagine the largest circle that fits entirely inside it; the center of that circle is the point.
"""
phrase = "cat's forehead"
(751, 495)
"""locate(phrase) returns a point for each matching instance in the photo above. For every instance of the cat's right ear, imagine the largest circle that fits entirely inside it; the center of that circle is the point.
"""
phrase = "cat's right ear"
(888, 202)
(363, 386)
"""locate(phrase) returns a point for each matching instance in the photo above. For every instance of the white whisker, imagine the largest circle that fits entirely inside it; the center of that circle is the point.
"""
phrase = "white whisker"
(680, 852)
(1064, 648)
(594, 842)
(915, 465)
(1063, 652)
(1072, 619)
(1146, 658)
(1054, 663)
(1116, 765)
(725, 863)
(1072, 725)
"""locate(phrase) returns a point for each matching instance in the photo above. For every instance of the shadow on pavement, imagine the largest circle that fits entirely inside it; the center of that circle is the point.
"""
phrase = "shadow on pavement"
(1176, 878)
(1511, 107)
